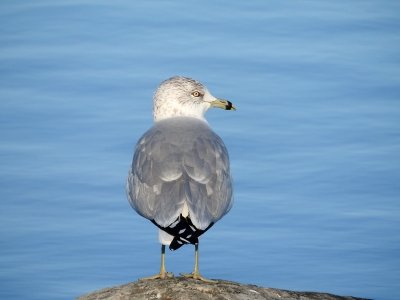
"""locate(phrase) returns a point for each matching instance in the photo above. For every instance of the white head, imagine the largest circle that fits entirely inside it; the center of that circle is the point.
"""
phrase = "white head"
(185, 97)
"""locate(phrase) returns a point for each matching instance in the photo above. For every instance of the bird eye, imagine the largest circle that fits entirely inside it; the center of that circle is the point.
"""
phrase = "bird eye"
(196, 94)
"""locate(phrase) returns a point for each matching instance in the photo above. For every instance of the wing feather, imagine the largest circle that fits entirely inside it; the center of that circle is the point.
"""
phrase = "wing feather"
(176, 162)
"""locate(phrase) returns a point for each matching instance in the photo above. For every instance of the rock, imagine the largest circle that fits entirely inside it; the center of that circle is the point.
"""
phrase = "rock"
(181, 288)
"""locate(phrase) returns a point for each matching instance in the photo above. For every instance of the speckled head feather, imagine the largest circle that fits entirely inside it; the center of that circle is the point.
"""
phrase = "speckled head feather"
(181, 96)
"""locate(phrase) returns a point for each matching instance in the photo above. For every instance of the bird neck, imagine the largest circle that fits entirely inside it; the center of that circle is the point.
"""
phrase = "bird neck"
(161, 112)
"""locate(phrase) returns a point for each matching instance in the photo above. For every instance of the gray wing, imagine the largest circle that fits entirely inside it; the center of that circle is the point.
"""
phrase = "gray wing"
(177, 164)
(208, 184)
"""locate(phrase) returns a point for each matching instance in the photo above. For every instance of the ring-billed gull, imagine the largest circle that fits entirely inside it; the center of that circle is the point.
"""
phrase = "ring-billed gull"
(180, 178)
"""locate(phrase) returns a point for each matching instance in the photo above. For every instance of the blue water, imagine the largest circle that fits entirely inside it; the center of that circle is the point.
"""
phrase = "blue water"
(314, 144)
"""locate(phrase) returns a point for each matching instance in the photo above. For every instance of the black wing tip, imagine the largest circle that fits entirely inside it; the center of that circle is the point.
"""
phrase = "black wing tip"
(183, 231)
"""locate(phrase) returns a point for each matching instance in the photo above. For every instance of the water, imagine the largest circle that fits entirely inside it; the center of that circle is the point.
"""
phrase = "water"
(314, 144)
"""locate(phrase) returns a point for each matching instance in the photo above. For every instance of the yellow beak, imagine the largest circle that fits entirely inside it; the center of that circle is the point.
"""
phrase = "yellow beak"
(224, 104)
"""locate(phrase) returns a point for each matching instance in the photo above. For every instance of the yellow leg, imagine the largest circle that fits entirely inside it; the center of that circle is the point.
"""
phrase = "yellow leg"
(196, 274)
(163, 272)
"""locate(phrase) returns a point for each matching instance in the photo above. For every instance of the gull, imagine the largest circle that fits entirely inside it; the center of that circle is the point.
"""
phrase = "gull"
(180, 175)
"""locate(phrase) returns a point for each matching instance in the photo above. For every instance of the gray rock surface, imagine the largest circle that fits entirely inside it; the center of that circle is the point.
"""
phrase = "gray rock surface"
(180, 288)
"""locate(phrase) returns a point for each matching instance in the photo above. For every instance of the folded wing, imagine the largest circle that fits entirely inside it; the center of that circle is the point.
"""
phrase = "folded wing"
(176, 162)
